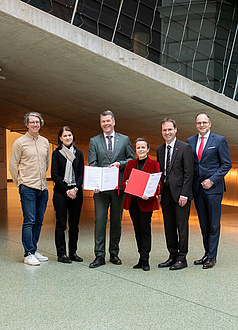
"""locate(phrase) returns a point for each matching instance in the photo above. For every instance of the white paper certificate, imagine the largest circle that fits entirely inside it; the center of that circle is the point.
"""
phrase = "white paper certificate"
(92, 178)
(152, 184)
(101, 178)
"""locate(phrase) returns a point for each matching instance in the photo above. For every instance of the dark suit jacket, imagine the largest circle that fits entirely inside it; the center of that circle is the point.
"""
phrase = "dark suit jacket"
(214, 164)
(122, 152)
(181, 169)
(151, 204)
(58, 169)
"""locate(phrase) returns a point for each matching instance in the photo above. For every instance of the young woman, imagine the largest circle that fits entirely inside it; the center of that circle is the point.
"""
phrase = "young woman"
(67, 173)
(141, 209)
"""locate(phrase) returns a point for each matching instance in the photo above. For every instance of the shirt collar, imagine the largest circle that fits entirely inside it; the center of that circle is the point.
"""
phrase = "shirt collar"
(105, 135)
(31, 136)
(206, 135)
(171, 144)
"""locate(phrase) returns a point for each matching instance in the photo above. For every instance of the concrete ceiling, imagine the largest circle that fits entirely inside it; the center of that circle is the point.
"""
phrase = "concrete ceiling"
(71, 84)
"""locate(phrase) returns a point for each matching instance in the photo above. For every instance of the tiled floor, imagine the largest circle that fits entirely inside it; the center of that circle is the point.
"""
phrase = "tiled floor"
(59, 296)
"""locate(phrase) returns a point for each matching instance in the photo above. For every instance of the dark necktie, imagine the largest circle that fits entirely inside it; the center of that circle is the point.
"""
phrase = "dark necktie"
(109, 137)
(167, 164)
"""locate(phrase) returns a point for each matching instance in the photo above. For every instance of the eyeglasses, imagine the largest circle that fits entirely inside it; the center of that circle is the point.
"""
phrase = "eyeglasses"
(34, 122)
(201, 123)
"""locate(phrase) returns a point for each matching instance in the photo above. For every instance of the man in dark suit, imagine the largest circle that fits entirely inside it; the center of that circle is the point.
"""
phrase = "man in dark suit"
(108, 149)
(176, 162)
(211, 163)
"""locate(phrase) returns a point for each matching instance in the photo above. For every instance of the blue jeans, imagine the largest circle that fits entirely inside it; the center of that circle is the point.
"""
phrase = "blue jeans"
(34, 204)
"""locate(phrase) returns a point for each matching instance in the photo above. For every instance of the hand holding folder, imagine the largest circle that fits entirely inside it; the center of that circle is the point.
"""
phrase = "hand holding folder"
(101, 178)
(142, 184)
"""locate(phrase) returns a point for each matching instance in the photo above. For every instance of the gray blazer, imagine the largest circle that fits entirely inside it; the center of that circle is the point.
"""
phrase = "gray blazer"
(122, 152)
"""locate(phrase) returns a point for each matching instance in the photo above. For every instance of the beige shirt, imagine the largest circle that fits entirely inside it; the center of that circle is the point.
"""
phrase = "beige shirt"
(29, 161)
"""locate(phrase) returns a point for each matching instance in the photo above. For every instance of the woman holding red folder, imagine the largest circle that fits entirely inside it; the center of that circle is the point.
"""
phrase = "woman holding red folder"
(141, 209)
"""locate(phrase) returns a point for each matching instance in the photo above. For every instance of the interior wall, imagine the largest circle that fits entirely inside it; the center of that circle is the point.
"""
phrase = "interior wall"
(3, 181)
(230, 196)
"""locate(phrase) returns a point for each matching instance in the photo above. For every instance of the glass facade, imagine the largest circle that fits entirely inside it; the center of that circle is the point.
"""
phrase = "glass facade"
(197, 39)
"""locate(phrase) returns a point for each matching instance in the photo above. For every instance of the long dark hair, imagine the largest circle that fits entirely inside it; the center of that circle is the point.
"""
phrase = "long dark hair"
(63, 129)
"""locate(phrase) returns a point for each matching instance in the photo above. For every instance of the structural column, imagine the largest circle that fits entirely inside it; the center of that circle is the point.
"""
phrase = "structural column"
(3, 159)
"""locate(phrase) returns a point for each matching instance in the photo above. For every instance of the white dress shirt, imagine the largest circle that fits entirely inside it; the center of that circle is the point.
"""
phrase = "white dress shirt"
(171, 153)
(206, 136)
(113, 139)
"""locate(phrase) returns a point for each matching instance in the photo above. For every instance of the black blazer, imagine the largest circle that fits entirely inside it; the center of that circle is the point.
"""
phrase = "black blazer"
(58, 169)
(181, 169)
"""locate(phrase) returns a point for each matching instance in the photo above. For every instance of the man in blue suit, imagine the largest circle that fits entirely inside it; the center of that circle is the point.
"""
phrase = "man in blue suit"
(108, 149)
(211, 163)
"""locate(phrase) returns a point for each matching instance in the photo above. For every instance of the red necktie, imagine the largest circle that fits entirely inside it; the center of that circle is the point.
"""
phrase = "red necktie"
(200, 149)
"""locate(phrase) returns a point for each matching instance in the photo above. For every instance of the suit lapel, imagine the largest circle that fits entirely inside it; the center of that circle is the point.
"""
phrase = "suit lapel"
(174, 155)
(162, 157)
(208, 144)
(147, 165)
(116, 145)
(194, 143)
(103, 142)
(194, 146)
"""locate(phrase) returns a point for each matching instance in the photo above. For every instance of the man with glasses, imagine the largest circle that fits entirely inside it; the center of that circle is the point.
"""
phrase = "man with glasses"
(211, 163)
(28, 165)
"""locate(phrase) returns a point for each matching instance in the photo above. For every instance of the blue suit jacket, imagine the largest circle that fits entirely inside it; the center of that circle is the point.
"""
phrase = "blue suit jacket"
(214, 164)
(122, 152)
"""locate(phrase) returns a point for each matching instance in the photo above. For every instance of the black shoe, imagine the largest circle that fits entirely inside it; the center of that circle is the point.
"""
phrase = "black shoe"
(64, 259)
(139, 265)
(179, 265)
(74, 257)
(115, 259)
(167, 263)
(200, 261)
(209, 263)
(145, 265)
(99, 261)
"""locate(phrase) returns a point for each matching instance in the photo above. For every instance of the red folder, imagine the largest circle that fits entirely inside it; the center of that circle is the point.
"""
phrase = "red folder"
(137, 182)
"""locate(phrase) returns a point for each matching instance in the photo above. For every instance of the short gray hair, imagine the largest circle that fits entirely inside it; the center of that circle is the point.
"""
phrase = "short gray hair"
(107, 113)
(35, 114)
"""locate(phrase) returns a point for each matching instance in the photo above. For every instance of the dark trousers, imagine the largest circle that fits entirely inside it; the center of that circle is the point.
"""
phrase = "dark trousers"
(175, 225)
(102, 201)
(66, 206)
(209, 213)
(142, 227)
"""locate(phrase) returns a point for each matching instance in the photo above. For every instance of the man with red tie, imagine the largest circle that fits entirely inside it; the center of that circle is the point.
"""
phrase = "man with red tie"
(211, 163)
